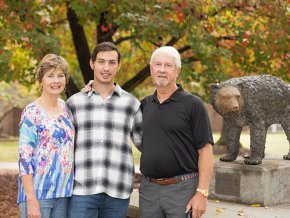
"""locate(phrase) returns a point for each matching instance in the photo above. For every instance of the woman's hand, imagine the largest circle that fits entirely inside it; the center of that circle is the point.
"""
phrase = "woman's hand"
(33, 208)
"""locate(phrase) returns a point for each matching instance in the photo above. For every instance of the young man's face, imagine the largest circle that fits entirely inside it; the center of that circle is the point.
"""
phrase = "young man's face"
(105, 67)
(164, 70)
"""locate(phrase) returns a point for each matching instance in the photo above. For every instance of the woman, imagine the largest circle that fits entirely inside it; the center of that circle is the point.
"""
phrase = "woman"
(46, 146)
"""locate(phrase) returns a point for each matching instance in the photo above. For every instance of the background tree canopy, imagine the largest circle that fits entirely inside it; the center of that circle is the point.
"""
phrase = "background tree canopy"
(218, 39)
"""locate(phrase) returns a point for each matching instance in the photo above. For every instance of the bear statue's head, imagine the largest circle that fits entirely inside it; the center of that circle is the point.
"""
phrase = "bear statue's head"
(226, 100)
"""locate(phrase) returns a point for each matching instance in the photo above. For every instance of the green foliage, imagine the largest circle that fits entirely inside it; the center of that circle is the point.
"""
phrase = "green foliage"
(219, 38)
(25, 37)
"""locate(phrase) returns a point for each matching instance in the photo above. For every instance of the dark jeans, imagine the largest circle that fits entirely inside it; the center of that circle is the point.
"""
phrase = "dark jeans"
(97, 206)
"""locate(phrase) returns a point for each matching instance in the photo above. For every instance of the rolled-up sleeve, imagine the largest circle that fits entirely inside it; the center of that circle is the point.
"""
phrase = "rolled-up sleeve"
(26, 145)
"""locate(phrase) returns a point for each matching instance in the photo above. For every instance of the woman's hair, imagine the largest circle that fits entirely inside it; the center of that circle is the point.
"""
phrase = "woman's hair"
(169, 50)
(52, 61)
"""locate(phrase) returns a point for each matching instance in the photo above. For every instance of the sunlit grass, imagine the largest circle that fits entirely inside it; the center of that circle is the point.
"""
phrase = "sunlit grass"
(8, 150)
(276, 145)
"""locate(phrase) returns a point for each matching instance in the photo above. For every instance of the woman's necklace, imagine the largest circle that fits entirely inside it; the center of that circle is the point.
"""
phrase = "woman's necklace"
(52, 110)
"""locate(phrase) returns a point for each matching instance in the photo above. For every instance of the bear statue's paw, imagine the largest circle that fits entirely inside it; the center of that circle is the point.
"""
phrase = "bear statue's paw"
(248, 156)
(253, 161)
(286, 157)
(228, 158)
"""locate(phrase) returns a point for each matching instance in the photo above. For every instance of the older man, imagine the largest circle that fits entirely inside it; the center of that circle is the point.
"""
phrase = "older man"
(177, 158)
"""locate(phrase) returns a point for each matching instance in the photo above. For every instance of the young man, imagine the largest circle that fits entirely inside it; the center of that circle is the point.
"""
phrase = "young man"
(106, 118)
(177, 158)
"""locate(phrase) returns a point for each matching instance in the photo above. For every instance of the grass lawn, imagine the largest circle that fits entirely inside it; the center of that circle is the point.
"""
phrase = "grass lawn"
(8, 150)
(276, 145)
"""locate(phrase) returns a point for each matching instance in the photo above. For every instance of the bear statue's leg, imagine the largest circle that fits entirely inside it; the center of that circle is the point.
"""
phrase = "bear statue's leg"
(286, 126)
(232, 138)
(258, 133)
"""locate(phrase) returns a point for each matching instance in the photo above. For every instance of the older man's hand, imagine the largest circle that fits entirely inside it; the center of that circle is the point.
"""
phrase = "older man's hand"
(197, 204)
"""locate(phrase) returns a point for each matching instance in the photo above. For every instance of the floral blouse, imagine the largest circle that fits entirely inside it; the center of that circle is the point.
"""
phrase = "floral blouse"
(46, 150)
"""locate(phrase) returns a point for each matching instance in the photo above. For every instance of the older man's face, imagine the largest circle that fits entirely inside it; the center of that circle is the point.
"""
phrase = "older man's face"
(164, 70)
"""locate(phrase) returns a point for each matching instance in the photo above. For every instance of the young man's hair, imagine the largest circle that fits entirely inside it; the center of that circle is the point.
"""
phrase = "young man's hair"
(49, 62)
(105, 46)
(169, 50)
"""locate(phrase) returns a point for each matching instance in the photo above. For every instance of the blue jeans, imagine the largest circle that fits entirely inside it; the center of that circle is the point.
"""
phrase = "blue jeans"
(49, 208)
(97, 206)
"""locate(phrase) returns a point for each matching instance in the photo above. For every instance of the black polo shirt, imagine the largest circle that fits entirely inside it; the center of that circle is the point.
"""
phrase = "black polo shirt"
(172, 133)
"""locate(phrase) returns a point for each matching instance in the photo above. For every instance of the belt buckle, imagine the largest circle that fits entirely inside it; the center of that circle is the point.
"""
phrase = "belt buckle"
(162, 179)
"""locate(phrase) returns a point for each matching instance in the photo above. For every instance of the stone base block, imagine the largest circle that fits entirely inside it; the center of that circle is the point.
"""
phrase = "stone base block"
(267, 184)
(133, 212)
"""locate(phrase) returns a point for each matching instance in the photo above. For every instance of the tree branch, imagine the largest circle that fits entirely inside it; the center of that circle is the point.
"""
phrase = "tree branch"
(59, 22)
(71, 88)
(227, 38)
(155, 44)
(183, 49)
(189, 59)
(105, 31)
(137, 79)
(172, 41)
(122, 39)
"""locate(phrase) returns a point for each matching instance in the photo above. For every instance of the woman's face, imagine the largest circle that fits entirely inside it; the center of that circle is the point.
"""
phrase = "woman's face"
(53, 82)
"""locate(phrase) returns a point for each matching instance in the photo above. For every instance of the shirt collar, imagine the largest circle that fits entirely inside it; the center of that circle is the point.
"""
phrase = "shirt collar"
(118, 90)
(176, 96)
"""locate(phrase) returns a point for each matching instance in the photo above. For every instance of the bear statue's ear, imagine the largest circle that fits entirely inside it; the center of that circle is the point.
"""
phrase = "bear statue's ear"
(240, 86)
(214, 87)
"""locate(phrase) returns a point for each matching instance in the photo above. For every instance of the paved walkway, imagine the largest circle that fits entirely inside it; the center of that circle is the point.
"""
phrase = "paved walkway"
(8, 165)
(222, 209)
(219, 209)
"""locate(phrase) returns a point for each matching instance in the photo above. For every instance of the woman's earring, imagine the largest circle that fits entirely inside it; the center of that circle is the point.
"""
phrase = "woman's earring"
(64, 89)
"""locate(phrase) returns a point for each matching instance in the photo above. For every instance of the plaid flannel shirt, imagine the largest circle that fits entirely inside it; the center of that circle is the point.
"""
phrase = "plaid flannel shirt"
(103, 152)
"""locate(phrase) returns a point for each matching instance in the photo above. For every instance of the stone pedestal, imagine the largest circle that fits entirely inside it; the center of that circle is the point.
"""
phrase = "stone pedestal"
(266, 184)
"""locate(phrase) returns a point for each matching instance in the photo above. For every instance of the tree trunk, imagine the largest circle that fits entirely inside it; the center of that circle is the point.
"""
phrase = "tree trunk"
(81, 45)
(71, 88)
(105, 31)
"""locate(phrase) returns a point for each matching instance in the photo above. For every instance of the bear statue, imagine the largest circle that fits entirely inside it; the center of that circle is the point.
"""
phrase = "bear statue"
(254, 101)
